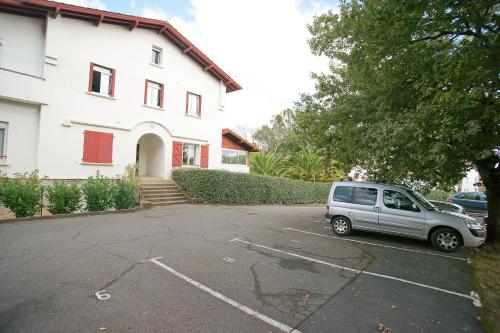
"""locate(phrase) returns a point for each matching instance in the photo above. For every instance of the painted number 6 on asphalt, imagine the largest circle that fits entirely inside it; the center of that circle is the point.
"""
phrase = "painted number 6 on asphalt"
(102, 296)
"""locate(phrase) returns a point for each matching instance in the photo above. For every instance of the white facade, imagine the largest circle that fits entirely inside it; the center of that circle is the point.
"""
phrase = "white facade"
(470, 183)
(45, 102)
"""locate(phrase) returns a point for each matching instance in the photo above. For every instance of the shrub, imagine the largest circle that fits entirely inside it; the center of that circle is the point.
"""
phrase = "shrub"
(126, 190)
(98, 192)
(125, 195)
(63, 198)
(224, 187)
(438, 195)
(22, 194)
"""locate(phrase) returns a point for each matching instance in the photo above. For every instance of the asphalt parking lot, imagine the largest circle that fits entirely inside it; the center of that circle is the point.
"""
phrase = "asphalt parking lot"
(225, 269)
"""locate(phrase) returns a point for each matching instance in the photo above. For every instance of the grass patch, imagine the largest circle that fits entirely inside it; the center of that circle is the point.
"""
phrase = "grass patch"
(486, 278)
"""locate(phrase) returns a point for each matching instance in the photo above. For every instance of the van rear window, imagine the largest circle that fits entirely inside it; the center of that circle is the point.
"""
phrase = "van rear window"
(342, 194)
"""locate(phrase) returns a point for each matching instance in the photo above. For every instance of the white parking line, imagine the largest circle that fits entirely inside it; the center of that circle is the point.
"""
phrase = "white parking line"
(375, 244)
(247, 310)
(357, 271)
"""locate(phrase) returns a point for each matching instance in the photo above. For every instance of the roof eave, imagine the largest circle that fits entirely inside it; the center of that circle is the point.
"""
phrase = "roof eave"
(99, 16)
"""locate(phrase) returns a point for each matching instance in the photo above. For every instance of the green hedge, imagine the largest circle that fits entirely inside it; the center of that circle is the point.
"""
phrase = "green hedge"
(224, 187)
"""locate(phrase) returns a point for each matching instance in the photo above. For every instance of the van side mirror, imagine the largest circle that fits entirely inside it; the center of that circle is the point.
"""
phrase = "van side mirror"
(415, 208)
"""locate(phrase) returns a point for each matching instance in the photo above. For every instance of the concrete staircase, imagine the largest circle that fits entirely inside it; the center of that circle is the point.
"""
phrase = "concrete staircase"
(161, 192)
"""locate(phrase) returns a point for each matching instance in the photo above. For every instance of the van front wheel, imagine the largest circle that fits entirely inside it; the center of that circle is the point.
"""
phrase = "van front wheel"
(341, 226)
(446, 240)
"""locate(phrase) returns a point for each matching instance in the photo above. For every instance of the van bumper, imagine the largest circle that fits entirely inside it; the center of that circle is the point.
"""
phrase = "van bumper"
(328, 216)
(474, 241)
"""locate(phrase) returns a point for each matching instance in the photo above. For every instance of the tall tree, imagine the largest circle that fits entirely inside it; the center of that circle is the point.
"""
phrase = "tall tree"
(414, 89)
(279, 137)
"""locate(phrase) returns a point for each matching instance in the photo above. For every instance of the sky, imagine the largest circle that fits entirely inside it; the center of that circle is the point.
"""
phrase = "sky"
(261, 44)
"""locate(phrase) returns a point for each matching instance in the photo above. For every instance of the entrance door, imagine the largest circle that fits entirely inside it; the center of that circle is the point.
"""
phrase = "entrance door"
(399, 214)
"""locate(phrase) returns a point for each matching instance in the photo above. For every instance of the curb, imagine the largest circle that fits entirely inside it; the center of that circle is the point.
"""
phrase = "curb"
(61, 216)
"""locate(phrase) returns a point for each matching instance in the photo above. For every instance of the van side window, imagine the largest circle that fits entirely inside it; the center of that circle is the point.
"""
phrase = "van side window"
(364, 196)
(397, 200)
(342, 194)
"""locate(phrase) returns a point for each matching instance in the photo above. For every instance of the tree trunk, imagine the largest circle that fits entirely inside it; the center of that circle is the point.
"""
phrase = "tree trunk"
(489, 170)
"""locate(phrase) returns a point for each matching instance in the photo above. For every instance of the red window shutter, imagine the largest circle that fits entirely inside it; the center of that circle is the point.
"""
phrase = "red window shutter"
(90, 146)
(162, 90)
(97, 147)
(146, 93)
(91, 76)
(204, 156)
(177, 154)
(113, 76)
(105, 149)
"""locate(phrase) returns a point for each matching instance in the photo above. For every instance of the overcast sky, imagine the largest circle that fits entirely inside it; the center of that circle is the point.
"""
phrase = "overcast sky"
(262, 44)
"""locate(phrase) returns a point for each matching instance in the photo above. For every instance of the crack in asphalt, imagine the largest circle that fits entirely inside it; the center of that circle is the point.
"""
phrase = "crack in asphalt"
(116, 279)
(296, 302)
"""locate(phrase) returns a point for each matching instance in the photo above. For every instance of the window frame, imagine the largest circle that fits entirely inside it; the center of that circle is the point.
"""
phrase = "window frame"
(188, 94)
(161, 94)
(236, 151)
(112, 77)
(417, 210)
(196, 154)
(4, 125)
(158, 49)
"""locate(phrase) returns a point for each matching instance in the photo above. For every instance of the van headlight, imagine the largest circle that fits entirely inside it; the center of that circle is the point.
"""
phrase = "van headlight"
(472, 224)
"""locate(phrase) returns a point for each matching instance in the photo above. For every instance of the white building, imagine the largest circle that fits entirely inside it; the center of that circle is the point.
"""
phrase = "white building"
(83, 90)
(470, 183)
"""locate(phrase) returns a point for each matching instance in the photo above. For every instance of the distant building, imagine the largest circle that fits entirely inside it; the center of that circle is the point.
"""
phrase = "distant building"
(470, 183)
(235, 152)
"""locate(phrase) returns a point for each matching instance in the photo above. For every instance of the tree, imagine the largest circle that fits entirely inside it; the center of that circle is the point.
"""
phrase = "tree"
(279, 137)
(305, 165)
(266, 164)
(413, 90)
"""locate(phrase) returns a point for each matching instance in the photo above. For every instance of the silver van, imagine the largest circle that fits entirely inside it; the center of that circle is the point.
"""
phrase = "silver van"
(400, 211)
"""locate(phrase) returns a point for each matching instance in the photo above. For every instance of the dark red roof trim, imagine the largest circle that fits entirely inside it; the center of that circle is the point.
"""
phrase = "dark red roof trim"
(42, 8)
(239, 140)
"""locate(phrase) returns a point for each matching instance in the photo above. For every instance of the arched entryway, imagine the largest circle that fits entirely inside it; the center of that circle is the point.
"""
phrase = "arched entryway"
(150, 154)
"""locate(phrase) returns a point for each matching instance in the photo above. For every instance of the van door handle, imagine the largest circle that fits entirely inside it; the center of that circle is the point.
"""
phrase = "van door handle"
(376, 208)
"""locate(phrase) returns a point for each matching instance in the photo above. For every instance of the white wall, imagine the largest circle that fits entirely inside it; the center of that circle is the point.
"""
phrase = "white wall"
(468, 183)
(235, 168)
(21, 138)
(68, 110)
(22, 43)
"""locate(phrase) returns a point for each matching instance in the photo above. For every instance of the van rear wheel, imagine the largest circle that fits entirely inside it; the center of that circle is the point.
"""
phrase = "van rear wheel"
(446, 240)
(341, 226)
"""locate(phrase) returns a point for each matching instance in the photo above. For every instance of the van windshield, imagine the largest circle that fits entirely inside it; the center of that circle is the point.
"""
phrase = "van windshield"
(421, 200)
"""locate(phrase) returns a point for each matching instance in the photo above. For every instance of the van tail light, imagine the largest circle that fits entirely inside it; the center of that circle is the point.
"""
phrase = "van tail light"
(449, 199)
(327, 208)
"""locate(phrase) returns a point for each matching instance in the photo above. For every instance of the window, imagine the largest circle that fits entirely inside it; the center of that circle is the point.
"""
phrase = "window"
(234, 156)
(3, 139)
(193, 104)
(102, 80)
(470, 196)
(397, 200)
(190, 154)
(97, 147)
(156, 55)
(153, 94)
(364, 196)
(342, 193)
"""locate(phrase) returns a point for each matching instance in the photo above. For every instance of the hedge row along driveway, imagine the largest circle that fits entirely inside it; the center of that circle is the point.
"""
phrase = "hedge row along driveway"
(224, 187)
